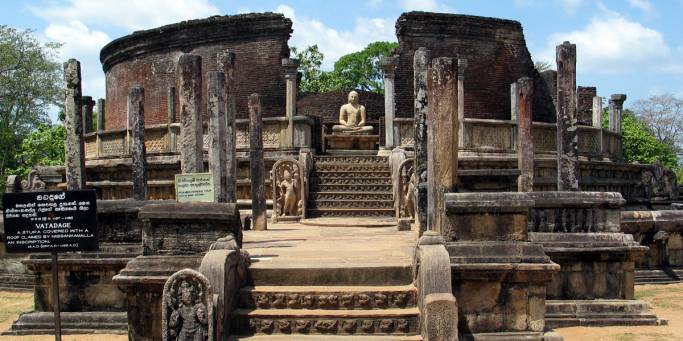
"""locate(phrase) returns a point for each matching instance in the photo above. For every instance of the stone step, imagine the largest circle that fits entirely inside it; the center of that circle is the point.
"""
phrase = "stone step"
(333, 167)
(33, 323)
(381, 273)
(351, 204)
(349, 212)
(284, 337)
(19, 282)
(350, 181)
(348, 195)
(351, 174)
(658, 275)
(605, 312)
(356, 159)
(318, 321)
(328, 297)
(350, 188)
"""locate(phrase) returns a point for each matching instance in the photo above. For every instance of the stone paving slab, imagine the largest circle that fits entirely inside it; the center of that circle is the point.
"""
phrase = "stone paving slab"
(300, 246)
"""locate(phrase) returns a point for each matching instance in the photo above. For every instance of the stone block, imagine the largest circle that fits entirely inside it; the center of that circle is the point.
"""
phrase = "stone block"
(404, 224)
(352, 142)
(441, 317)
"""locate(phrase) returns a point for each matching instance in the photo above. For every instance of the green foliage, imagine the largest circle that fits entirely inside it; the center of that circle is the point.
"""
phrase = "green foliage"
(640, 144)
(358, 70)
(29, 84)
(43, 146)
(541, 66)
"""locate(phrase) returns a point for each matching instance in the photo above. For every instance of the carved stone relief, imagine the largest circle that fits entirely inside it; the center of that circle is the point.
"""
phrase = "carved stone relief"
(289, 199)
(187, 307)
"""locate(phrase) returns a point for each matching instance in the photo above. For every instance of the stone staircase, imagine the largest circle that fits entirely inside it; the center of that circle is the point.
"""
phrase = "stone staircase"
(274, 312)
(350, 186)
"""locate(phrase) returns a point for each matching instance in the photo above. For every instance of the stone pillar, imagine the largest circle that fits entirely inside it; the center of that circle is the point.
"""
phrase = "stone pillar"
(73, 123)
(190, 99)
(88, 105)
(228, 66)
(567, 138)
(388, 65)
(442, 137)
(462, 65)
(514, 105)
(420, 70)
(100, 114)
(525, 142)
(217, 127)
(172, 140)
(616, 106)
(258, 176)
(136, 110)
(597, 112)
(291, 66)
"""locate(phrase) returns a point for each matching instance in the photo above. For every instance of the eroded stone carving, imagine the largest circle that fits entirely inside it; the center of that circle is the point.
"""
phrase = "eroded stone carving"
(288, 189)
(407, 182)
(659, 183)
(187, 308)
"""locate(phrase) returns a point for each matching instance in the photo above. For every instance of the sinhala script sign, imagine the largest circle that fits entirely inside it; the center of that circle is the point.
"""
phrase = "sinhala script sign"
(194, 187)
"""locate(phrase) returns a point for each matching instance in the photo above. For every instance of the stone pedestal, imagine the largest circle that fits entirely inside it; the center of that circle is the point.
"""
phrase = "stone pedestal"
(351, 142)
(581, 232)
(499, 278)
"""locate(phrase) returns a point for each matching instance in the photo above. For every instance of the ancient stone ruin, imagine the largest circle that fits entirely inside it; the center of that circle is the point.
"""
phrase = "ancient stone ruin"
(477, 199)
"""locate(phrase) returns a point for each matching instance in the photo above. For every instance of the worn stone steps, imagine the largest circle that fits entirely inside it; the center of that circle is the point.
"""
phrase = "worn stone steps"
(328, 297)
(356, 159)
(351, 203)
(320, 321)
(348, 195)
(658, 276)
(18, 282)
(604, 312)
(34, 323)
(349, 181)
(315, 188)
(365, 167)
(349, 212)
(345, 174)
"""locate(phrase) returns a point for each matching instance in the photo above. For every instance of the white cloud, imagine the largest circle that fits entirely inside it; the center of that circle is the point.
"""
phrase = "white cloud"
(612, 44)
(128, 14)
(644, 5)
(336, 43)
(425, 5)
(570, 6)
(373, 3)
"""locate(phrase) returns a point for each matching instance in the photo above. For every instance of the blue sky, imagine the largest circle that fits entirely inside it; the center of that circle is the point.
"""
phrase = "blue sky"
(624, 46)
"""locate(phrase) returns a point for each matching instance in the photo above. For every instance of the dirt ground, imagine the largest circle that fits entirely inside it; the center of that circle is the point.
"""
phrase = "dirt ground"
(666, 301)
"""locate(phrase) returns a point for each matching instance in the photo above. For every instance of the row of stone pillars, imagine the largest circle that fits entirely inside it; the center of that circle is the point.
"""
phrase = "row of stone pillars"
(222, 131)
(439, 92)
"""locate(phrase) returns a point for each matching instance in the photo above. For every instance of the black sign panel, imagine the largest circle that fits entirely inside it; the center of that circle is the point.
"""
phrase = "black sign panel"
(50, 221)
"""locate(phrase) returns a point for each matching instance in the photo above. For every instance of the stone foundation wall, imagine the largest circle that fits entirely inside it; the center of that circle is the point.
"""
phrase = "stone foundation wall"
(148, 58)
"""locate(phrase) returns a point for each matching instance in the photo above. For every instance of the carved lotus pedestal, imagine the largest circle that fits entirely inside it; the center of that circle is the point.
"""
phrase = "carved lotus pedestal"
(351, 141)
(499, 278)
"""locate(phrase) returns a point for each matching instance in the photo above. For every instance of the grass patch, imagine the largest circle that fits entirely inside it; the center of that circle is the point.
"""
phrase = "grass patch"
(12, 303)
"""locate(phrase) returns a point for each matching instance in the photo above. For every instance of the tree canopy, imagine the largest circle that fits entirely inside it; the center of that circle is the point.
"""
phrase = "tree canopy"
(30, 82)
(359, 70)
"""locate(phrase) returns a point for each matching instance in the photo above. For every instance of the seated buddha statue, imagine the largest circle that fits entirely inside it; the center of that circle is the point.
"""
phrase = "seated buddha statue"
(352, 117)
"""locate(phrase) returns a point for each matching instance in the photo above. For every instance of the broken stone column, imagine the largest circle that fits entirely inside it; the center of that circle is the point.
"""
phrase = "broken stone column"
(616, 106)
(462, 65)
(228, 65)
(291, 66)
(525, 142)
(73, 123)
(190, 99)
(388, 65)
(100, 115)
(172, 138)
(567, 138)
(136, 110)
(420, 67)
(217, 138)
(597, 112)
(258, 176)
(442, 137)
(88, 105)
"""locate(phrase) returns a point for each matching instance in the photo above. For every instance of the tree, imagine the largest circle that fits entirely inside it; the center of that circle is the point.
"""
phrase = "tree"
(359, 70)
(29, 84)
(43, 146)
(541, 66)
(640, 144)
(664, 117)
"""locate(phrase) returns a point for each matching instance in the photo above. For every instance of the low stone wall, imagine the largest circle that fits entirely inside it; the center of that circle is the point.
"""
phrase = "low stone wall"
(661, 231)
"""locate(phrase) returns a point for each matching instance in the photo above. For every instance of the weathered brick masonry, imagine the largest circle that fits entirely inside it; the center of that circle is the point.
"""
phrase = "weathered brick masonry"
(149, 58)
(495, 50)
(584, 104)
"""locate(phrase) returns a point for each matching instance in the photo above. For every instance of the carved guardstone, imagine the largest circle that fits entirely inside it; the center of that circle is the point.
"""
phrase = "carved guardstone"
(289, 195)
(187, 307)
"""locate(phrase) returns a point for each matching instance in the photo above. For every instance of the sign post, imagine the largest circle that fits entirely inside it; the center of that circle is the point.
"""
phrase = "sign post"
(194, 187)
(54, 222)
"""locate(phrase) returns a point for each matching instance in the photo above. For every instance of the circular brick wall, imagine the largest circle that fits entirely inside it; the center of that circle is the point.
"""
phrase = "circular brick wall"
(149, 58)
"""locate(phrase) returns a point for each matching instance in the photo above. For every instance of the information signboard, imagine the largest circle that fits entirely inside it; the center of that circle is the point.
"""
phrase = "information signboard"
(194, 187)
(56, 221)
